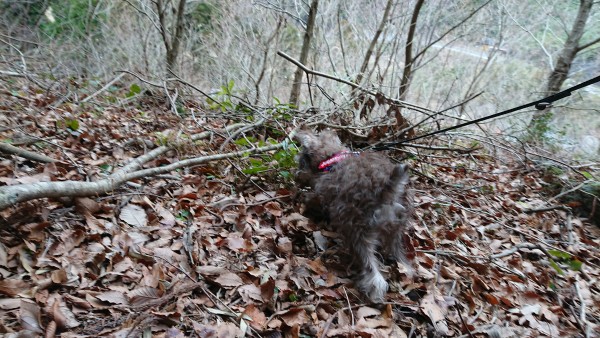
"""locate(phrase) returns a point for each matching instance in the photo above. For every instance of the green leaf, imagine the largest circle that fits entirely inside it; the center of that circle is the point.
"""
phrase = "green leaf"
(183, 215)
(556, 267)
(245, 141)
(105, 166)
(134, 88)
(255, 161)
(559, 254)
(72, 124)
(587, 175)
(575, 264)
(293, 297)
(255, 170)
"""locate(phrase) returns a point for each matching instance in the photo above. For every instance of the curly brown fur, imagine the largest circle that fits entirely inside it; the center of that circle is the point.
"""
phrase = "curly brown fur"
(366, 199)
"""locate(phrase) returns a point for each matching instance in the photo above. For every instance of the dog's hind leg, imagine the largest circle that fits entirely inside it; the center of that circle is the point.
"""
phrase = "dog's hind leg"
(370, 281)
(396, 250)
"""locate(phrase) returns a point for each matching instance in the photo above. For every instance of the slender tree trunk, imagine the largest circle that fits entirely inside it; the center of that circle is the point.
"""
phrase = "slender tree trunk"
(171, 40)
(384, 20)
(563, 64)
(312, 14)
(408, 59)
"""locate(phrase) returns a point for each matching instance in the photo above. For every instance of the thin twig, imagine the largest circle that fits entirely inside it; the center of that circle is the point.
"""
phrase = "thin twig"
(351, 84)
(582, 313)
(349, 306)
(117, 78)
(582, 184)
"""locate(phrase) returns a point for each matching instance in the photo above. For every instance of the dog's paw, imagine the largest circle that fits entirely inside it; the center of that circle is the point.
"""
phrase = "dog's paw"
(373, 286)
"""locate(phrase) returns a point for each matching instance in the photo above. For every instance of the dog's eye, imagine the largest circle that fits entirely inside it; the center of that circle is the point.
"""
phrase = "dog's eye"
(304, 162)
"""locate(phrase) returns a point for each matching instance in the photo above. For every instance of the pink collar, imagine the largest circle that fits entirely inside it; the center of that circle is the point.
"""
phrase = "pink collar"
(328, 163)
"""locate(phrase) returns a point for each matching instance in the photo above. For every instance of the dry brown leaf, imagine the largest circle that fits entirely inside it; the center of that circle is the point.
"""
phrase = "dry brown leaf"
(284, 245)
(166, 217)
(29, 316)
(294, 317)
(250, 293)
(10, 303)
(228, 330)
(435, 307)
(113, 297)
(205, 331)
(134, 215)
(237, 243)
(12, 287)
(267, 289)
(59, 276)
(86, 205)
(78, 302)
(274, 208)
(64, 318)
(3, 255)
(142, 295)
(208, 270)
(365, 311)
(229, 279)
(259, 320)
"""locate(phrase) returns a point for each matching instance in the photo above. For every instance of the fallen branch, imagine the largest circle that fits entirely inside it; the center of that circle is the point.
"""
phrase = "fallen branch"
(10, 195)
(103, 88)
(10, 149)
(582, 312)
(514, 249)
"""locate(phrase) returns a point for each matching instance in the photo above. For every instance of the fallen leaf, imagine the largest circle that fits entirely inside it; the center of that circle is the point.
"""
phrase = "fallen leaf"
(365, 311)
(229, 279)
(294, 317)
(133, 215)
(113, 297)
(29, 316)
(142, 295)
(12, 287)
(228, 330)
(434, 306)
(166, 217)
(250, 293)
(259, 320)
(274, 208)
(64, 318)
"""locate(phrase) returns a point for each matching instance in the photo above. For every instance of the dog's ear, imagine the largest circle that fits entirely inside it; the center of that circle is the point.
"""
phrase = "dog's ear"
(330, 137)
(307, 139)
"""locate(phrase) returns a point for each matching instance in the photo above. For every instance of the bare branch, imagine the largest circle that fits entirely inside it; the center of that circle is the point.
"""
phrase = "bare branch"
(351, 84)
(10, 195)
(10, 149)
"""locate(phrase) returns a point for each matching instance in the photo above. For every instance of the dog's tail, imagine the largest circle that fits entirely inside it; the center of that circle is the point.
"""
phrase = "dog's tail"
(396, 185)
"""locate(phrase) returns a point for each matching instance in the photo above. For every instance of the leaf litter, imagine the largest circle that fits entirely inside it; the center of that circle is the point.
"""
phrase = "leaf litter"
(211, 252)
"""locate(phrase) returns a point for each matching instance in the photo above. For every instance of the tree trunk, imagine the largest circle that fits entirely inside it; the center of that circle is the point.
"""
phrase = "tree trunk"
(384, 20)
(310, 25)
(171, 40)
(563, 64)
(408, 60)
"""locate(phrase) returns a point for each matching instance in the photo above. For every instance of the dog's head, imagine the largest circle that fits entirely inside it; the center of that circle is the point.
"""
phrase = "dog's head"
(315, 149)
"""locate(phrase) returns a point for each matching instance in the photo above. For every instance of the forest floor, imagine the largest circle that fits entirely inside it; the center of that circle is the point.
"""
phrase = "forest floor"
(222, 249)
